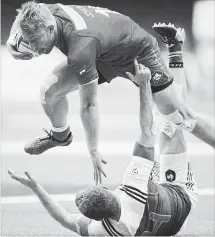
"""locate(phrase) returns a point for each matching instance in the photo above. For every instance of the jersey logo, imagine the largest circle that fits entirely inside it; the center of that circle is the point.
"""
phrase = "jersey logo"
(157, 76)
(82, 72)
(170, 175)
(134, 171)
(85, 11)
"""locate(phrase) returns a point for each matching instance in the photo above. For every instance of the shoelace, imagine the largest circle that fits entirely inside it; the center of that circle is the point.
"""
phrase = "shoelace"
(49, 135)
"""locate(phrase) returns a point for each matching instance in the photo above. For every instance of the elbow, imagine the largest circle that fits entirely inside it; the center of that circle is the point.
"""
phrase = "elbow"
(66, 222)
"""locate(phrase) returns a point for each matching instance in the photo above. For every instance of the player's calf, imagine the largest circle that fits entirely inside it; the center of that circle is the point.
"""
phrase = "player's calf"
(58, 136)
(174, 38)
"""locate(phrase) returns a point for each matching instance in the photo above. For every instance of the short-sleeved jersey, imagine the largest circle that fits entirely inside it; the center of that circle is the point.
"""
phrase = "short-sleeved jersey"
(147, 208)
(92, 35)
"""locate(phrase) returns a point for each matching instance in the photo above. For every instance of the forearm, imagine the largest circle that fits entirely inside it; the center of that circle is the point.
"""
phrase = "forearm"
(147, 137)
(90, 119)
(15, 27)
(53, 208)
(11, 39)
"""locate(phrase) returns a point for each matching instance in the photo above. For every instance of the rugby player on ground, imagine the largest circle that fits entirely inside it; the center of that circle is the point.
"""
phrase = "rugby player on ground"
(139, 206)
(100, 45)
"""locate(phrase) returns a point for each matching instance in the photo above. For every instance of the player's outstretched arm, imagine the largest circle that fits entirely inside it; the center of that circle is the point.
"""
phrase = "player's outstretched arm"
(145, 145)
(66, 219)
(90, 119)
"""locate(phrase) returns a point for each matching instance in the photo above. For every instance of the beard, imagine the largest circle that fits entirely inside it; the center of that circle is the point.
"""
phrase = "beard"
(50, 47)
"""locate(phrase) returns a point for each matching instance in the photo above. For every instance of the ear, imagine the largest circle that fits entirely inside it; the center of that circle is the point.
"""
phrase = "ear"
(50, 29)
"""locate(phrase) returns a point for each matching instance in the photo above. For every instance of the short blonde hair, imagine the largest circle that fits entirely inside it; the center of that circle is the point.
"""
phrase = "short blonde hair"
(32, 16)
(97, 203)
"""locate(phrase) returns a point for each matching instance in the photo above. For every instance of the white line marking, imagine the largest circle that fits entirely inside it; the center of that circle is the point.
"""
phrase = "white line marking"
(71, 197)
(207, 192)
(107, 148)
(34, 199)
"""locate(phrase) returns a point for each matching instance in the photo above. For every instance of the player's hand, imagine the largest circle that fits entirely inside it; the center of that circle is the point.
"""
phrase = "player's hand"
(97, 161)
(17, 55)
(142, 74)
(26, 180)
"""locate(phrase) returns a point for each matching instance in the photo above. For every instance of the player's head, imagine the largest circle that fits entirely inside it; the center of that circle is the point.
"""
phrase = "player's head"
(36, 23)
(97, 202)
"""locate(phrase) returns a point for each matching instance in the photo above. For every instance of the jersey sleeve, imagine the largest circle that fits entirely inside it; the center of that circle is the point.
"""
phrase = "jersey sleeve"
(82, 59)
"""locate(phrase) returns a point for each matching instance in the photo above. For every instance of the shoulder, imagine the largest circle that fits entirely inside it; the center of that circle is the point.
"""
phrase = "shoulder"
(97, 228)
(82, 225)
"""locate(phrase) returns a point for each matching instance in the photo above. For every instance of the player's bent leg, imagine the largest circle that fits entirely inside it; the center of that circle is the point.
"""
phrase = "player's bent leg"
(199, 125)
(176, 169)
(53, 94)
(137, 176)
(142, 151)
(170, 104)
(54, 102)
(175, 166)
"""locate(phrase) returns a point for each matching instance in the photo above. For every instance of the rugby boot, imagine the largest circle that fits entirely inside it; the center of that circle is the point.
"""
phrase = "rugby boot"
(169, 34)
(46, 142)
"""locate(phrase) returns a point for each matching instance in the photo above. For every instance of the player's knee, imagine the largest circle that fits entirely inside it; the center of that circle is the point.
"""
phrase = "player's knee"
(46, 94)
(47, 90)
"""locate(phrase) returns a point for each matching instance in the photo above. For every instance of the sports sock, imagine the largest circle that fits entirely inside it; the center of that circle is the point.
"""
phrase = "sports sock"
(176, 56)
(62, 133)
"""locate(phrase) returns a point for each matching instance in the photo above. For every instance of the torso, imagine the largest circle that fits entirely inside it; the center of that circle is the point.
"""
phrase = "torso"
(100, 35)
(164, 213)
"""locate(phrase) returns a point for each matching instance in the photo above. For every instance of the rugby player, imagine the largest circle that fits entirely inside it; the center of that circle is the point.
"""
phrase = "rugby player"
(139, 206)
(100, 45)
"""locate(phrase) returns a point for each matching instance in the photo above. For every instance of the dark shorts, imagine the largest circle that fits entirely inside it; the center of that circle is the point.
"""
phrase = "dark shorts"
(102, 79)
(151, 58)
(161, 76)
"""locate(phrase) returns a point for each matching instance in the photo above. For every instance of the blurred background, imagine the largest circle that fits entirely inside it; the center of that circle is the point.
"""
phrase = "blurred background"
(66, 170)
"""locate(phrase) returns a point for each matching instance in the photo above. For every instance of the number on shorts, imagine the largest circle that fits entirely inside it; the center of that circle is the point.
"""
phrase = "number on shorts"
(158, 219)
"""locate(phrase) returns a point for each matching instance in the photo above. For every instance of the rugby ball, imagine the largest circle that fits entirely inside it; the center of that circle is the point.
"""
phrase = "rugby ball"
(23, 46)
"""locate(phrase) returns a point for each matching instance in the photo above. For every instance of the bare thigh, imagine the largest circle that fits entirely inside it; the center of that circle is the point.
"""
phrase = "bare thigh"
(169, 100)
(66, 80)
(63, 80)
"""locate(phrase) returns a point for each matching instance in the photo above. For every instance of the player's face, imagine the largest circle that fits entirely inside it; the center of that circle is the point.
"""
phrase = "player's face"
(41, 41)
